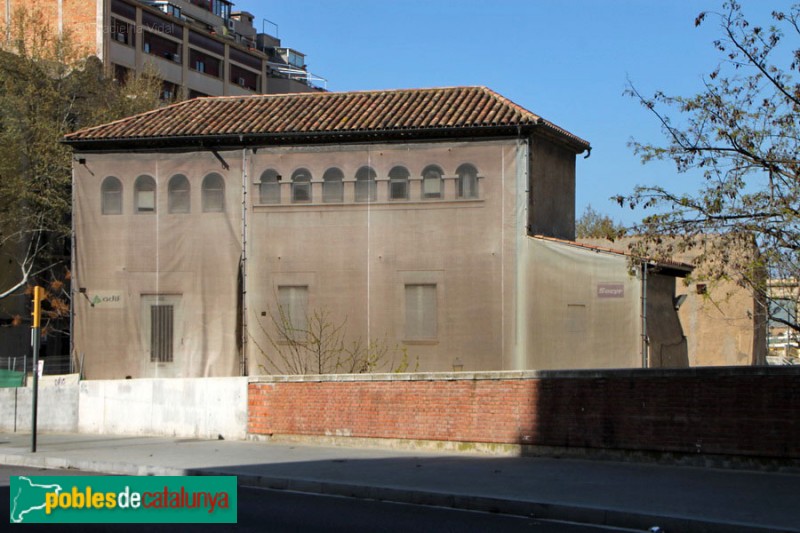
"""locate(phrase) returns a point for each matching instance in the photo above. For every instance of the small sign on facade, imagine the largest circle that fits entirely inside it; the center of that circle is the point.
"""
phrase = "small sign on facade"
(610, 290)
(106, 299)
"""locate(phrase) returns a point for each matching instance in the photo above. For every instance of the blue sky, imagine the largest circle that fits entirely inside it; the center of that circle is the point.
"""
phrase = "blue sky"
(566, 61)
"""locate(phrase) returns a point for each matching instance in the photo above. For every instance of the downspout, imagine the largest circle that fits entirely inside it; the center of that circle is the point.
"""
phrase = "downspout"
(243, 360)
(644, 314)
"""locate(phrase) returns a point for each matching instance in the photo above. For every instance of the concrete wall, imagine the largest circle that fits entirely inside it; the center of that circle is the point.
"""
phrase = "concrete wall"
(57, 405)
(188, 408)
(733, 411)
(192, 408)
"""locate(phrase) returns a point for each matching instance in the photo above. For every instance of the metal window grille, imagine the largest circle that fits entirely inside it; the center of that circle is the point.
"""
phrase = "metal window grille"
(161, 333)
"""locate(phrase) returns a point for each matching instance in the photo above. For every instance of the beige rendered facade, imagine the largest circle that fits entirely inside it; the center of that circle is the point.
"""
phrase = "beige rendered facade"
(187, 246)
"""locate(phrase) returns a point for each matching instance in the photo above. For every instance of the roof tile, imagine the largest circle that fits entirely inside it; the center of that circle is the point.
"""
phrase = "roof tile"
(315, 113)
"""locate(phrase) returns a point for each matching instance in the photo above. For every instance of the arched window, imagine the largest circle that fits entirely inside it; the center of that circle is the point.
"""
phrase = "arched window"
(213, 192)
(332, 188)
(301, 186)
(111, 191)
(365, 185)
(270, 187)
(432, 182)
(178, 190)
(467, 181)
(144, 194)
(398, 183)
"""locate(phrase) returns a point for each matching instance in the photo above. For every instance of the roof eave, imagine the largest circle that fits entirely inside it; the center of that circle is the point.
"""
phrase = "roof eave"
(260, 139)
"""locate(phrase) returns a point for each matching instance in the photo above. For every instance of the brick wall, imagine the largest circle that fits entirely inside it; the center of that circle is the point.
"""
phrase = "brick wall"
(732, 411)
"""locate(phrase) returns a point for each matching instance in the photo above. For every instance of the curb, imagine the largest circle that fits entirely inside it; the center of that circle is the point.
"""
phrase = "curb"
(540, 510)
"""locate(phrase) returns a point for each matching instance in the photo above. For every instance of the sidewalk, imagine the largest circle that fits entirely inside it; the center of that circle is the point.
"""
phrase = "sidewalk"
(638, 496)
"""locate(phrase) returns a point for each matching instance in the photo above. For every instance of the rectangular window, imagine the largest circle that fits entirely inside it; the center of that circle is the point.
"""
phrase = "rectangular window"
(421, 312)
(161, 333)
(293, 313)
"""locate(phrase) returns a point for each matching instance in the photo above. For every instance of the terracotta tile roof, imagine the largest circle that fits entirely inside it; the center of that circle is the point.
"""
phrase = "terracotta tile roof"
(666, 264)
(378, 114)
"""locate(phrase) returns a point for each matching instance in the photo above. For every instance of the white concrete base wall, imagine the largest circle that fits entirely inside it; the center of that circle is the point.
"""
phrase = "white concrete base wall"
(203, 408)
(57, 406)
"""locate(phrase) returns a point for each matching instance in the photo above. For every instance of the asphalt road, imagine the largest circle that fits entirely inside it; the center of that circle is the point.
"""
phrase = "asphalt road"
(271, 511)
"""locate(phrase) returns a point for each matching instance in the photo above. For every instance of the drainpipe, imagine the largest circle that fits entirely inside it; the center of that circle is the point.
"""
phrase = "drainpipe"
(243, 361)
(644, 314)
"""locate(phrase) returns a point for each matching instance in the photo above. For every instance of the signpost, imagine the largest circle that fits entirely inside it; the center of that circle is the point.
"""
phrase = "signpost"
(38, 295)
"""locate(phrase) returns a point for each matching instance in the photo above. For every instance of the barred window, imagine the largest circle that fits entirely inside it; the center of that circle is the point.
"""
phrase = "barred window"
(162, 322)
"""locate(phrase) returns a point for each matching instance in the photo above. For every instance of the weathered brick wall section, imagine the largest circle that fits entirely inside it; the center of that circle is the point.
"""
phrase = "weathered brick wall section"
(730, 411)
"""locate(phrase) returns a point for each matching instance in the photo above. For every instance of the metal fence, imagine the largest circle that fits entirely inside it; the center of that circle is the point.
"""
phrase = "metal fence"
(54, 365)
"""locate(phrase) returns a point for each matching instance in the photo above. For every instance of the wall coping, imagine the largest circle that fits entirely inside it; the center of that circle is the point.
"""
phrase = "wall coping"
(500, 375)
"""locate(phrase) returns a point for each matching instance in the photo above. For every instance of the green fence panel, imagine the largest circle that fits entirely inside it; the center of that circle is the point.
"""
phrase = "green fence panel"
(11, 378)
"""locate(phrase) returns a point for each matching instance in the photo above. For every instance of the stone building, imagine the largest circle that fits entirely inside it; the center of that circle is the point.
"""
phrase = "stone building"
(439, 221)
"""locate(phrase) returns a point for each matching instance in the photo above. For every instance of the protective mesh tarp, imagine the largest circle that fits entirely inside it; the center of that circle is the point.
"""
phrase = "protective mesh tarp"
(127, 263)
(583, 308)
(161, 294)
(361, 259)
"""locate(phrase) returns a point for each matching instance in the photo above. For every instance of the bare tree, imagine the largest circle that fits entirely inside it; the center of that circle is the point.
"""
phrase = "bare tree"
(741, 132)
(321, 346)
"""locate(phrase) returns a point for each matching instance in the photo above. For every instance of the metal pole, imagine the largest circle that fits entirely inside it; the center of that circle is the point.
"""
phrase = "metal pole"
(38, 292)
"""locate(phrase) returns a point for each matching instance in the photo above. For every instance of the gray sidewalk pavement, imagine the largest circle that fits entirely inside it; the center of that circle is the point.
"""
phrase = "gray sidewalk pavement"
(634, 495)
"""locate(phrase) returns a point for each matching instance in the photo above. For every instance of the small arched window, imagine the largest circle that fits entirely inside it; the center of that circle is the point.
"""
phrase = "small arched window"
(365, 185)
(144, 194)
(398, 183)
(213, 190)
(332, 188)
(301, 186)
(432, 182)
(467, 181)
(111, 200)
(178, 191)
(270, 187)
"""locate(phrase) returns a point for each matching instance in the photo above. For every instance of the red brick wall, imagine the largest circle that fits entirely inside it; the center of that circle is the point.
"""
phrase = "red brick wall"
(744, 411)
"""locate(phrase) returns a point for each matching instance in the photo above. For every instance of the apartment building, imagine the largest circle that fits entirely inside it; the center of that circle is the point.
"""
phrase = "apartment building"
(199, 47)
